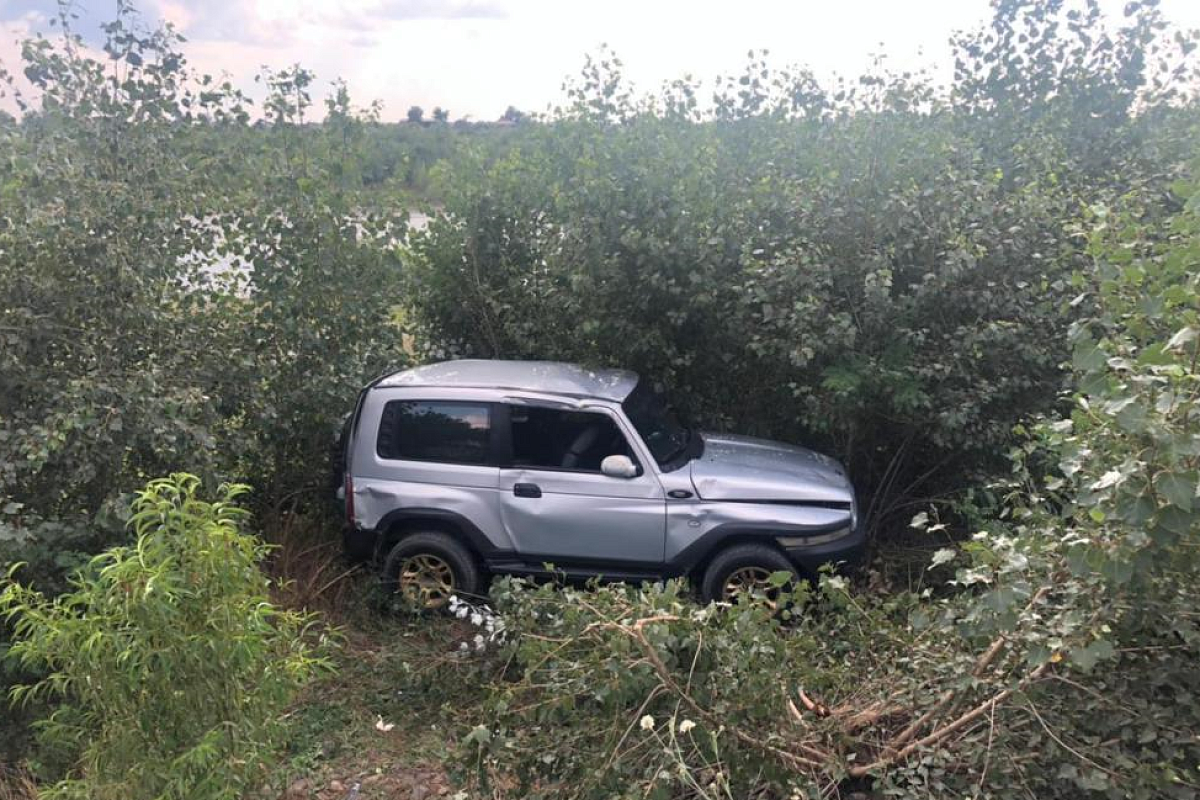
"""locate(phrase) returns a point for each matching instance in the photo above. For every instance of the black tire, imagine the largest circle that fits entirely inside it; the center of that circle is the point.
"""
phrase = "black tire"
(739, 558)
(432, 547)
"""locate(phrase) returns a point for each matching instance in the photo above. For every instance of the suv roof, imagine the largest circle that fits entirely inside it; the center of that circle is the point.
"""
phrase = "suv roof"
(550, 377)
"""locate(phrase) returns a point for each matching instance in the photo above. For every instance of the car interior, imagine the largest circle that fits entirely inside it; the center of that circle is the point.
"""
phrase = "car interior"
(558, 439)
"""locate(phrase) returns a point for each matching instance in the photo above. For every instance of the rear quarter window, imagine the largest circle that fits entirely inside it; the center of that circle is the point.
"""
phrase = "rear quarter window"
(435, 430)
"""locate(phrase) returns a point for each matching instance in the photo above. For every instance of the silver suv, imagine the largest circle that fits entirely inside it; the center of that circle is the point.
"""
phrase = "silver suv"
(458, 470)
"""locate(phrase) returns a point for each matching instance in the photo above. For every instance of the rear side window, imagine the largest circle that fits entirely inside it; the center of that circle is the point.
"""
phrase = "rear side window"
(435, 430)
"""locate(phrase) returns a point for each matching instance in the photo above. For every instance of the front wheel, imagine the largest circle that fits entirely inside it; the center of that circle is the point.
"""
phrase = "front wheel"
(427, 569)
(745, 570)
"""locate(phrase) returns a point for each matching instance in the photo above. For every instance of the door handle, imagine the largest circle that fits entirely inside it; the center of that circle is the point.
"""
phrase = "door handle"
(527, 490)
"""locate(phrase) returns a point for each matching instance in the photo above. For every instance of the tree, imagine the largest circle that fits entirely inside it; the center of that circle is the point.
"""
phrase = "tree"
(440, 114)
(514, 115)
(416, 114)
(101, 379)
(903, 311)
(1046, 657)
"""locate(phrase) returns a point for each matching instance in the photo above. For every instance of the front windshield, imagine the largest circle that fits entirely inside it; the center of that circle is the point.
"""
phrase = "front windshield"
(657, 423)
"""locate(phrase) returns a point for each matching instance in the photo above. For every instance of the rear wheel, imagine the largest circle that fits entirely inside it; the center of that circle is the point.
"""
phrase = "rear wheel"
(427, 569)
(745, 570)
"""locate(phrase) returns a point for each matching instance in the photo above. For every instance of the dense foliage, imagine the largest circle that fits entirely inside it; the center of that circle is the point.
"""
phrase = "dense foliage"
(983, 290)
(1059, 663)
(170, 665)
(170, 299)
(877, 268)
(178, 290)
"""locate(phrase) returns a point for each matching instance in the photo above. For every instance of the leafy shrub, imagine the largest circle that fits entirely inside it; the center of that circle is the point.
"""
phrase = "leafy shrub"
(621, 692)
(169, 664)
(1060, 663)
(878, 268)
(180, 289)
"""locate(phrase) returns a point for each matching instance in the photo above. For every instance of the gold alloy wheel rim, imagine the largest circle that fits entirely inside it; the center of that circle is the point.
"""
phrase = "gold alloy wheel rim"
(425, 581)
(753, 583)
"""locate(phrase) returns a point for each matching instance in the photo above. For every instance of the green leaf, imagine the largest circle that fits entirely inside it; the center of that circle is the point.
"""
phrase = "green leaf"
(480, 734)
(1179, 488)
(1136, 509)
(1087, 657)
(1176, 520)
(780, 578)
(1088, 357)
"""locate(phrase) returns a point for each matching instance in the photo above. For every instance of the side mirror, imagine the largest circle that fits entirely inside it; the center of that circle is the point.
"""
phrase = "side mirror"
(618, 467)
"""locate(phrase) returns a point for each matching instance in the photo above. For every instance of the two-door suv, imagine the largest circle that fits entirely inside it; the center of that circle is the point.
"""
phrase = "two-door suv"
(463, 469)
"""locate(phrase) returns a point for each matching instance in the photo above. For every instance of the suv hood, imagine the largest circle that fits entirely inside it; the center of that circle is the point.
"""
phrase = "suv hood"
(744, 468)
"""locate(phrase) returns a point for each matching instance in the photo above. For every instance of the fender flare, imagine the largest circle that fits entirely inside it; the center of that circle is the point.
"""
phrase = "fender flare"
(476, 539)
(711, 541)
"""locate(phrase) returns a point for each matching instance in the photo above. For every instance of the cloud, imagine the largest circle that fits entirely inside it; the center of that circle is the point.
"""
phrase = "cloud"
(12, 10)
(275, 23)
(443, 9)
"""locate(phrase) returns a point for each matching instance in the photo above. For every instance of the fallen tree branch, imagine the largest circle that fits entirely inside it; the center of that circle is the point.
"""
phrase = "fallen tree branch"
(856, 721)
(814, 758)
(820, 709)
(984, 661)
(892, 755)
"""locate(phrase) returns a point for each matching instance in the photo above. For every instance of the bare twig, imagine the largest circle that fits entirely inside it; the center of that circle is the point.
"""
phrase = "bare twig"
(820, 709)
(981, 665)
(814, 758)
(1049, 732)
(891, 756)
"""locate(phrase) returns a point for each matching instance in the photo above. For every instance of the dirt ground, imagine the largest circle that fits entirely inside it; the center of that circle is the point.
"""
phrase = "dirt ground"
(387, 722)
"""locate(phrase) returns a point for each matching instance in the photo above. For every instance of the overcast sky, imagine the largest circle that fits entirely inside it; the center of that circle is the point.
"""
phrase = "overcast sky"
(476, 57)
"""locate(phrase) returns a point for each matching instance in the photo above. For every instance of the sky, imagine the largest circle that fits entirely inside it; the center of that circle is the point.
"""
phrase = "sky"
(477, 57)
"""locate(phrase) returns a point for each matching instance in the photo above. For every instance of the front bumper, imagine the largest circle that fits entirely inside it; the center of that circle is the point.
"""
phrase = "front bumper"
(844, 551)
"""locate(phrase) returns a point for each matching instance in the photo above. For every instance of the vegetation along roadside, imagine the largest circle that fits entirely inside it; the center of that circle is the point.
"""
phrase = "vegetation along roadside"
(982, 296)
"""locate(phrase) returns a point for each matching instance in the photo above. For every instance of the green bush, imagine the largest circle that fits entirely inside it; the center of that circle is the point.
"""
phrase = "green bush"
(1057, 662)
(168, 664)
(890, 271)
(878, 268)
(180, 290)
(632, 693)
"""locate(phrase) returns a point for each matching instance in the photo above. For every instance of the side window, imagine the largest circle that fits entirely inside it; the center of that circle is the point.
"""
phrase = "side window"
(555, 439)
(435, 430)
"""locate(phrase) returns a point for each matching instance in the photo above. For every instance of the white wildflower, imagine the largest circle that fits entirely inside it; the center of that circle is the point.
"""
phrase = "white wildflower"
(835, 583)
(647, 723)
(686, 726)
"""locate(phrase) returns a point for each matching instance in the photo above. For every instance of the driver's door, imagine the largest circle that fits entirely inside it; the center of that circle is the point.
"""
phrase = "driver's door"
(556, 504)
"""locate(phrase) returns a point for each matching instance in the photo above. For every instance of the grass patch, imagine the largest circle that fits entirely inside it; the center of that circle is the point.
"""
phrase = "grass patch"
(391, 716)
